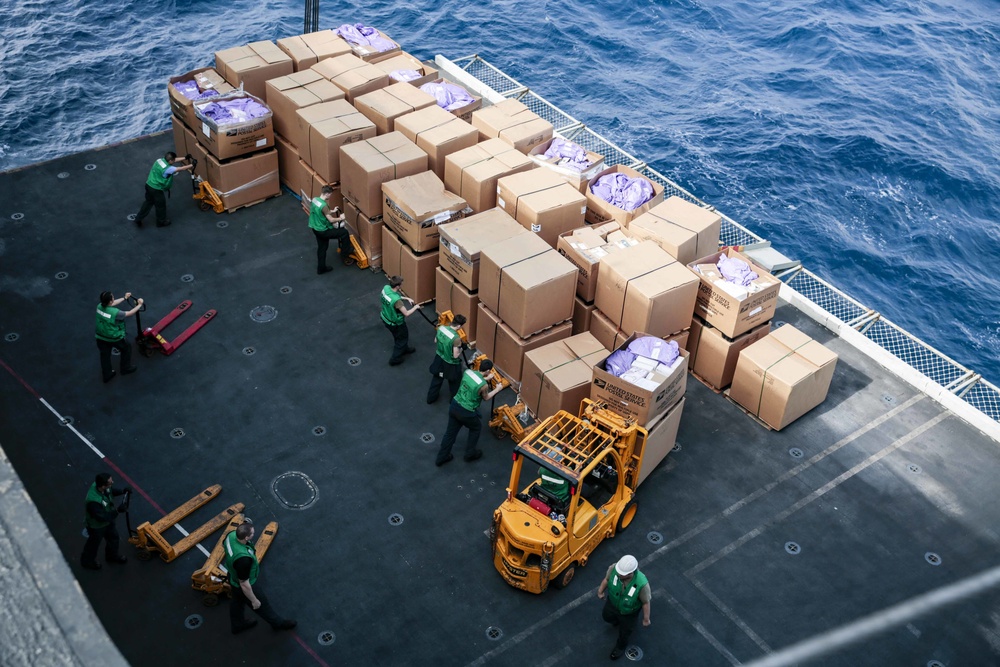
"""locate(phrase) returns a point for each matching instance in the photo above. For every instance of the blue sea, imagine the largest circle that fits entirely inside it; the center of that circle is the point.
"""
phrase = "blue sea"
(859, 137)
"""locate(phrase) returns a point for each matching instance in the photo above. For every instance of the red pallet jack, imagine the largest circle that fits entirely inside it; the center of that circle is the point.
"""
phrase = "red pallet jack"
(151, 339)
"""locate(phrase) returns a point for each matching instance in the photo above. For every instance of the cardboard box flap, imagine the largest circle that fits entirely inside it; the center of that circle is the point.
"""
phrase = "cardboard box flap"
(422, 197)
(326, 110)
(326, 43)
(562, 195)
(469, 236)
(269, 52)
(510, 251)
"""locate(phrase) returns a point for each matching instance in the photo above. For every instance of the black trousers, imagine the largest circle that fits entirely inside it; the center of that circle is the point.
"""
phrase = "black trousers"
(441, 370)
(457, 418)
(400, 341)
(237, 617)
(323, 243)
(123, 346)
(157, 198)
(94, 536)
(624, 622)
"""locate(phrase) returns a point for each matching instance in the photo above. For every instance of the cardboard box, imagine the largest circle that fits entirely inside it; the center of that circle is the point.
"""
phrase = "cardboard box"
(252, 65)
(368, 232)
(404, 61)
(415, 206)
(312, 187)
(714, 355)
(326, 127)
(449, 294)
(180, 142)
(417, 270)
(370, 55)
(234, 139)
(642, 288)
(600, 211)
(514, 123)
(557, 376)
(526, 283)
(438, 133)
(473, 172)
(352, 75)
(290, 171)
(366, 165)
(685, 230)
(542, 202)
(505, 348)
(611, 337)
(384, 106)
(463, 240)
(731, 309)
(183, 107)
(197, 151)
(464, 112)
(661, 438)
(307, 50)
(288, 94)
(245, 180)
(582, 314)
(578, 179)
(643, 403)
(585, 247)
(783, 376)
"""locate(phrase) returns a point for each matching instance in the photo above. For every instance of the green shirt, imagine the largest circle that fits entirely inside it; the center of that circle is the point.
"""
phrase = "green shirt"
(554, 484)
(317, 220)
(109, 327)
(235, 550)
(104, 499)
(627, 598)
(156, 179)
(391, 314)
(446, 337)
(468, 392)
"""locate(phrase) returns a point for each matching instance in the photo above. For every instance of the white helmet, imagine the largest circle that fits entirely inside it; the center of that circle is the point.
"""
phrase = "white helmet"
(627, 565)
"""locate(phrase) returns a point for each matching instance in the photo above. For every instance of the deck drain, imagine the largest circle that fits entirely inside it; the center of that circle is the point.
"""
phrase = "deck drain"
(932, 558)
(67, 420)
(326, 638)
(654, 537)
(193, 622)
(886, 398)
(130, 217)
(795, 453)
(354, 361)
(319, 430)
(427, 438)
(294, 490)
(177, 433)
(493, 633)
(187, 278)
(90, 167)
(633, 653)
(676, 447)
(222, 224)
(63, 174)
(12, 337)
(62, 275)
(935, 663)
(17, 216)
(395, 519)
(793, 548)
(778, 324)
(249, 351)
(914, 468)
(285, 290)
(263, 314)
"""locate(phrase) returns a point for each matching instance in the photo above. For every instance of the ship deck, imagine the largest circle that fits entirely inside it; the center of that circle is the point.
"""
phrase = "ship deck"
(875, 509)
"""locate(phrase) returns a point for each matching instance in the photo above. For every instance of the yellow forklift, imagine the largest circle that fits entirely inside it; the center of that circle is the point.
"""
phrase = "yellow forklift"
(539, 539)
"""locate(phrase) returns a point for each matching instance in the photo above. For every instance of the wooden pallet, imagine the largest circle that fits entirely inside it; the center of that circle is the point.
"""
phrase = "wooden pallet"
(706, 382)
(253, 203)
(747, 412)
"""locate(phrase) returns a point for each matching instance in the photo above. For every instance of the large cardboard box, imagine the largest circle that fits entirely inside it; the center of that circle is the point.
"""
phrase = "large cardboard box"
(328, 126)
(197, 151)
(498, 342)
(543, 202)
(642, 288)
(661, 438)
(180, 141)
(685, 230)
(366, 165)
(557, 376)
(245, 180)
(287, 94)
(352, 75)
(252, 65)
(730, 308)
(526, 283)
(415, 206)
(368, 232)
(434, 88)
(403, 62)
(600, 211)
(514, 123)
(234, 139)
(417, 270)
(206, 79)
(301, 129)
(462, 242)
(307, 50)
(370, 54)
(585, 247)
(291, 172)
(783, 376)
(312, 186)
(714, 355)
(473, 172)
(643, 402)
(583, 312)
(578, 179)
(438, 133)
(384, 106)
(449, 294)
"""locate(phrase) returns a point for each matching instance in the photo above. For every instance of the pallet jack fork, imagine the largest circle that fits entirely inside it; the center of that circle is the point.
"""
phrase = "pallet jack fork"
(148, 537)
(359, 256)
(212, 578)
(203, 192)
(151, 338)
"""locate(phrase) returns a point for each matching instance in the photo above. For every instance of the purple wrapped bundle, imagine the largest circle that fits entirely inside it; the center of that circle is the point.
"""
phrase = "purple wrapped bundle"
(619, 362)
(189, 89)
(665, 352)
(449, 96)
(404, 75)
(736, 270)
(229, 112)
(623, 191)
(570, 155)
(364, 35)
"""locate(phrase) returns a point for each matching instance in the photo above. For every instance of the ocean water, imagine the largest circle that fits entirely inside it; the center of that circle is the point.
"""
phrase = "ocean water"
(861, 138)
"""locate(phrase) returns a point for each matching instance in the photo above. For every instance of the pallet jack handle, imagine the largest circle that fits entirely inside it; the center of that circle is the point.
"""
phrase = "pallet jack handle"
(134, 301)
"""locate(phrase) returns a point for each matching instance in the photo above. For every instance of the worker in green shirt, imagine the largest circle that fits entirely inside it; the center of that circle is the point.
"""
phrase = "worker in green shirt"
(394, 313)
(161, 177)
(99, 516)
(329, 224)
(627, 590)
(447, 364)
(244, 568)
(464, 411)
(111, 333)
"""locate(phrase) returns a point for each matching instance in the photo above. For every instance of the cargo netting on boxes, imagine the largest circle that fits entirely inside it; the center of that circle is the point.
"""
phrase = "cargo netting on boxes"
(938, 367)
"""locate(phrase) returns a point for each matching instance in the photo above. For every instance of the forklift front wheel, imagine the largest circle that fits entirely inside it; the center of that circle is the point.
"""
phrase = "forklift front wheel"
(564, 577)
(143, 555)
(625, 518)
(210, 600)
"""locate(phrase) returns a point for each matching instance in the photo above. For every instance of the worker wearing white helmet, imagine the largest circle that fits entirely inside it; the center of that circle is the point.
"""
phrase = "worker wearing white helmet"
(627, 592)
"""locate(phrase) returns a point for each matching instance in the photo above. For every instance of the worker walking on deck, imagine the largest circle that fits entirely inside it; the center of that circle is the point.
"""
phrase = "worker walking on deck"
(394, 313)
(447, 359)
(244, 568)
(627, 591)
(111, 333)
(464, 411)
(161, 177)
(326, 225)
(99, 516)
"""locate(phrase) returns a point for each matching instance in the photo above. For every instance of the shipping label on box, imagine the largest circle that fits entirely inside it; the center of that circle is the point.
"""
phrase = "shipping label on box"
(731, 312)
(643, 403)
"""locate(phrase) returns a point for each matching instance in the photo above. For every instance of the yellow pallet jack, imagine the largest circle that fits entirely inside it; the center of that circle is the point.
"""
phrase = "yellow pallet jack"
(148, 538)
(212, 578)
